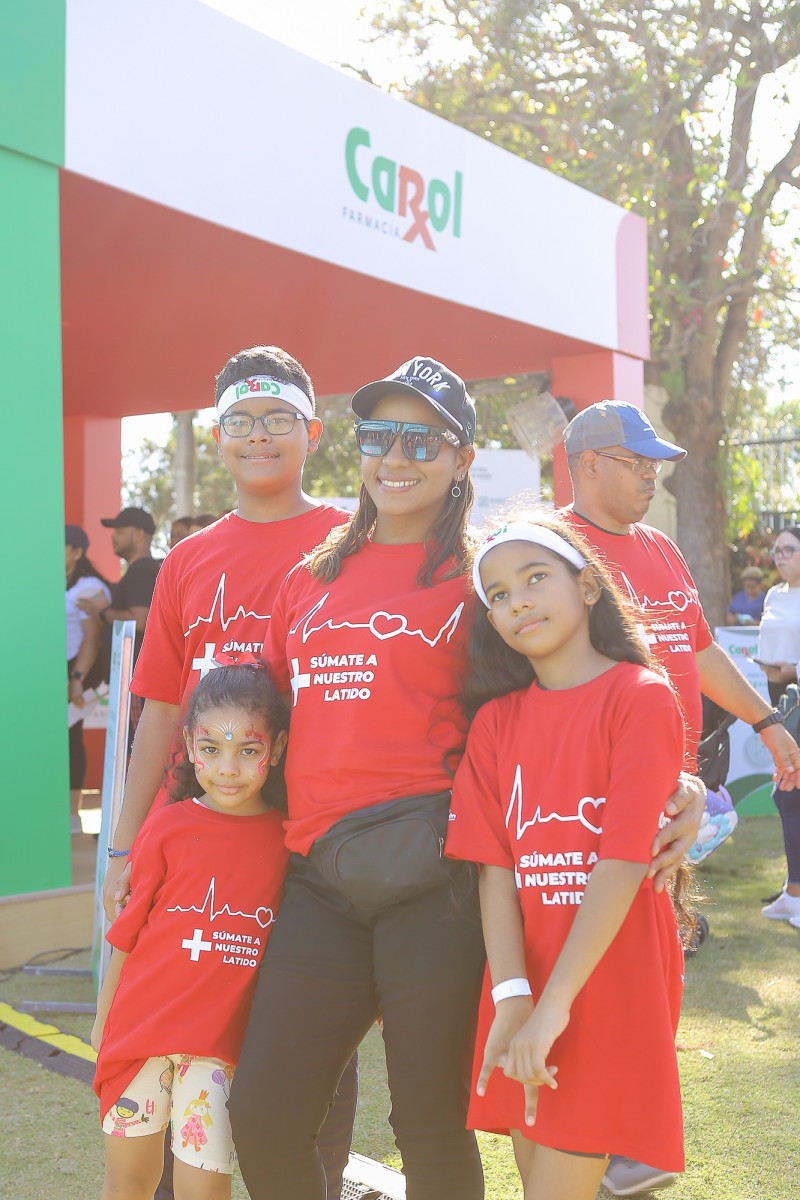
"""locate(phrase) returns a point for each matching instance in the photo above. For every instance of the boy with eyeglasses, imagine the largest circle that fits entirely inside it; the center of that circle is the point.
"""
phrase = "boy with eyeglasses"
(215, 592)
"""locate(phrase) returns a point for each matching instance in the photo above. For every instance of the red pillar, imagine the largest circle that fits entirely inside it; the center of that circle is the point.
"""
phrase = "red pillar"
(93, 482)
(585, 379)
(92, 488)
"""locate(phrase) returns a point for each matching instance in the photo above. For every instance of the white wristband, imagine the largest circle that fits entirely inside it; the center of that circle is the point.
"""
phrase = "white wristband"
(509, 988)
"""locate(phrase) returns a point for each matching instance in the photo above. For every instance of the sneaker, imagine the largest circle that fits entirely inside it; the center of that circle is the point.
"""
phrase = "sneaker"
(784, 908)
(625, 1177)
(795, 921)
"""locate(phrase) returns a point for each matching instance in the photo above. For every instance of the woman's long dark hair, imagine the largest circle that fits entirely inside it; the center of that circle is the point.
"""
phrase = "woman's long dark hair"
(82, 568)
(495, 669)
(245, 686)
(449, 537)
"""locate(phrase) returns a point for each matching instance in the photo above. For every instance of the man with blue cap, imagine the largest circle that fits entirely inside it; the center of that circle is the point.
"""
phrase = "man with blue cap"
(614, 455)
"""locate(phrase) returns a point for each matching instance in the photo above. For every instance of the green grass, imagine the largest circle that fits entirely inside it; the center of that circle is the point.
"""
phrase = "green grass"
(741, 1110)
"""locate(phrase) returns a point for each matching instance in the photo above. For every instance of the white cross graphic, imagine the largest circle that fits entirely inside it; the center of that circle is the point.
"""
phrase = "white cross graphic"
(205, 664)
(195, 943)
(648, 638)
(298, 681)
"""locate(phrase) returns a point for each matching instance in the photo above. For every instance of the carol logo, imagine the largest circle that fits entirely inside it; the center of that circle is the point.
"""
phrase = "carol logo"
(402, 190)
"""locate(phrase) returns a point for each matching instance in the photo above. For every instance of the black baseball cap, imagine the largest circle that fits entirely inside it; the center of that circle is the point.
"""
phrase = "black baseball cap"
(135, 518)
(433, 382)
(77, 537)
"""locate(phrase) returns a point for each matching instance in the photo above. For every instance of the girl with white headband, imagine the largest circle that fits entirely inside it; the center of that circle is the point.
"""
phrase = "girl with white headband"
(565, 776)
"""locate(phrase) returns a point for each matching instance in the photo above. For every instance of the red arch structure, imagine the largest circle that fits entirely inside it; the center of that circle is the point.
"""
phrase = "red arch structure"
(175, 186)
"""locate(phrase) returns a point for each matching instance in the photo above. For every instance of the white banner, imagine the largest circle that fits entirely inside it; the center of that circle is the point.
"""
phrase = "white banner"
(497, 475)
(176, 103)
(750, 775)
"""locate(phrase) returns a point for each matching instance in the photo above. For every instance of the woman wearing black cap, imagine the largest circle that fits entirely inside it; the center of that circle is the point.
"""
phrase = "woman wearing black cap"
(83, 644)
(368, 638)
(367, 635)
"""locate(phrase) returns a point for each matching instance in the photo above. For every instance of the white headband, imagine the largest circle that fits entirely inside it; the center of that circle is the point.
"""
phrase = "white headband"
(265, 387)
(523, 531)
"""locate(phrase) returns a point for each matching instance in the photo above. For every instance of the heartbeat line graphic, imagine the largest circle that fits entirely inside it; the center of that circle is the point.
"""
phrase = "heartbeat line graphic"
(678, 599)
(263, 916)
(545, 818)
(382, 625)
(218, 604)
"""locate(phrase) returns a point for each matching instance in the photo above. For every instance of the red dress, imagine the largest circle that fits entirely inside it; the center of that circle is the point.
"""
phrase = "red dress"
(552, 781)
(205, 890)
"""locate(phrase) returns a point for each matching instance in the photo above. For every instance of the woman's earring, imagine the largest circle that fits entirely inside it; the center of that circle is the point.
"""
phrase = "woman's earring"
(455, 490)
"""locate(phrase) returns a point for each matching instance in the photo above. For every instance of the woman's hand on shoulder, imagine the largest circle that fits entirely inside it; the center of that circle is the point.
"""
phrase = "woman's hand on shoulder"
(671, 844)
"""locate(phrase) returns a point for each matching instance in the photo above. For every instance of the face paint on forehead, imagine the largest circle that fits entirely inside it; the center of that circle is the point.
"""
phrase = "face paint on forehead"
(255, 735)
(226, 729)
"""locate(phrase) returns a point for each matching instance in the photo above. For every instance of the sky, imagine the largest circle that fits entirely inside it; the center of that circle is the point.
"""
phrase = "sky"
(337, 32)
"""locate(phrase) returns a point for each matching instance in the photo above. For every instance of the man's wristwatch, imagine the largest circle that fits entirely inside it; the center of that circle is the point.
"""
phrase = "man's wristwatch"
(77, 674)
(774, 718)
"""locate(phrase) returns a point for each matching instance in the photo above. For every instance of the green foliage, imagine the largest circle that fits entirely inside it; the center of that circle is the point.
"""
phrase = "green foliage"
(652, 107)
(149, 475)
(649, 106)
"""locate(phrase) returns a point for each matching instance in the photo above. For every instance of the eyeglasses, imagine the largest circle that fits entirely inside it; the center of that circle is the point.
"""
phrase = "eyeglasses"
(639, 466)
(421, 443)
(276, 424)
(783, 552)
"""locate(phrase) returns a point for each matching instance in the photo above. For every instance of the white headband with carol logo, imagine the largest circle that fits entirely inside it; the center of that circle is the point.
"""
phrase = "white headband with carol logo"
(523, 531)
(266, 388)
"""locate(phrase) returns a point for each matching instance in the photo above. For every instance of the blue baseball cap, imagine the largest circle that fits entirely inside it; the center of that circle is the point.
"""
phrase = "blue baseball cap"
(613, 423)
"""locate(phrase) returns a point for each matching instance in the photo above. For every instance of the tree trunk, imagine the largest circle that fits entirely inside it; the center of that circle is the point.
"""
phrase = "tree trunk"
(184, 463)
(697, 487)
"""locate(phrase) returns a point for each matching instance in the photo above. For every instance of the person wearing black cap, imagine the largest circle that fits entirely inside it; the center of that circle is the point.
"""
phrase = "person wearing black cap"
(84, 581)
(367, 635)
(131, 534)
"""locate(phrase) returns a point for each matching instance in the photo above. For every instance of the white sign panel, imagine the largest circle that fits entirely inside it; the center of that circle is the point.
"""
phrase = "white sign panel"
(497, 475)
(176, 103)
(749, 756)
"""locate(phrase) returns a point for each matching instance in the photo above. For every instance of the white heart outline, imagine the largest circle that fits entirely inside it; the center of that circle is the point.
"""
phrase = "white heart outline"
(678, 607)
(389, 617)
(583, 820)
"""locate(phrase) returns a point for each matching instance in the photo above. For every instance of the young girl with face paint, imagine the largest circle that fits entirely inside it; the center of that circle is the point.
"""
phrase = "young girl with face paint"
(564, 778)
(207, 877)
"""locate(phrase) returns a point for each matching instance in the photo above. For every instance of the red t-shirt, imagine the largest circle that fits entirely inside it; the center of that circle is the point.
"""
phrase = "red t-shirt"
(205, 890)
(215, 593)
(591, 784)
(373, 662)
(653, 574)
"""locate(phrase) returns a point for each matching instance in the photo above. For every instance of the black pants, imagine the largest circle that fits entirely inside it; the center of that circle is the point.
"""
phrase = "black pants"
(328, 971)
